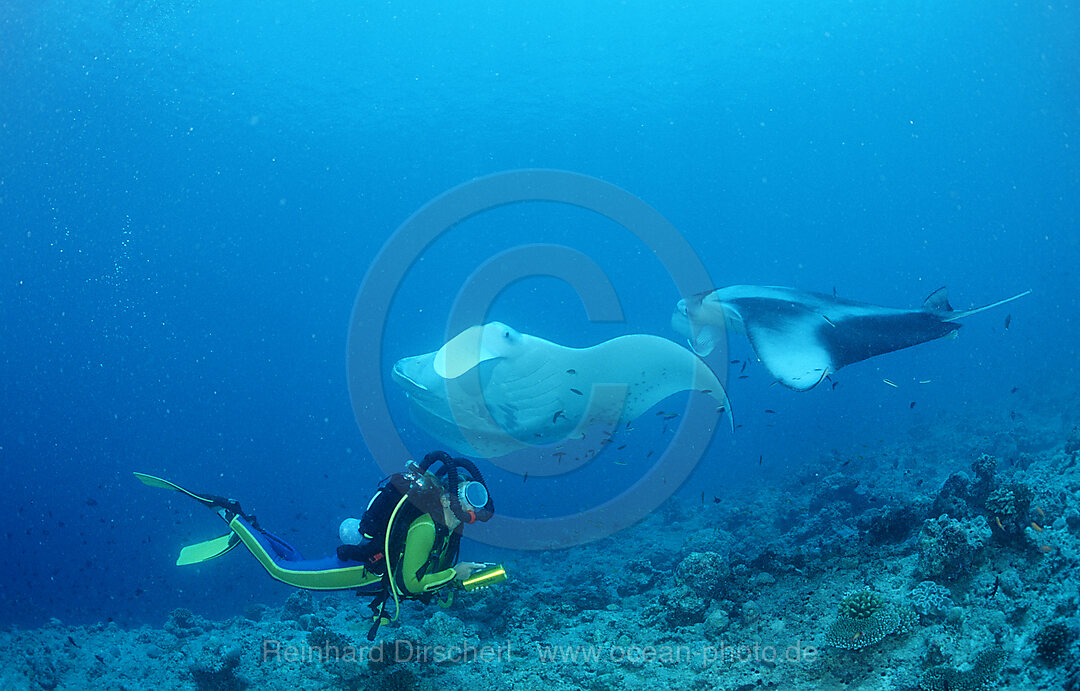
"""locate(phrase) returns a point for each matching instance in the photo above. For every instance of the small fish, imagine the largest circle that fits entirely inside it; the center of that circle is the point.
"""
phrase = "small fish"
(604, 441)
(621, 447)
(828, 321)
(706, 391)
(558, 414)
(891, 383)
(735, 362)
(743, 369)
(998, 519)
(1036, 526)
(571, 371)
(716, 500)
(835, 384)
(72, 640)
(770, 410)
(1014, 389)
(620, 463)
(524, 477)
(577, 392)
(924, 381)
(559, 454)
(760, 459)
(1041, 512)
(720, 409)
(1008, 320)
(660, 412)
(649, 454)
(744, 376)
(1046, 548)
(912, 404)
(671, 416)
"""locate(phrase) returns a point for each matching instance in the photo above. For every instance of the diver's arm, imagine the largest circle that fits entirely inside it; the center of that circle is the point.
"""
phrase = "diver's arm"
(418, 544)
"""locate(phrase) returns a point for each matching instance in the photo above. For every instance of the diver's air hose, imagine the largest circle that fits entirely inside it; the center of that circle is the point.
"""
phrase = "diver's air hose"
(386, 552)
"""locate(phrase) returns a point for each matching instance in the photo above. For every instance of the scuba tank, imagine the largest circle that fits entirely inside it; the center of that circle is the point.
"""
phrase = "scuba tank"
(369, 532)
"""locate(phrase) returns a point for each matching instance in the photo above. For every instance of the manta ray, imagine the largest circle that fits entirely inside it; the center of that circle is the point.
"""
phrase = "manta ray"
(492, 390)
(802, 337)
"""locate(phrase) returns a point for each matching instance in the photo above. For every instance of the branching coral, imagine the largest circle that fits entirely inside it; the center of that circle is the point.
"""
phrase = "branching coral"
(981, 677)
(865, 618)
(1007, 510)
(1011, 501)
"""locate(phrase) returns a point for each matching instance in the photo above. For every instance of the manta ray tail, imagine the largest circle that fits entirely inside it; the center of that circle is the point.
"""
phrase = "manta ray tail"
(938, 302)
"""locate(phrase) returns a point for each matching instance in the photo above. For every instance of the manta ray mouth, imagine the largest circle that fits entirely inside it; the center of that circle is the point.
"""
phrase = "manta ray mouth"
(399, 374)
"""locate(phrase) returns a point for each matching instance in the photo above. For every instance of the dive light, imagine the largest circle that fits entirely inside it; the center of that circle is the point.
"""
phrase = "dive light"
(490, 575)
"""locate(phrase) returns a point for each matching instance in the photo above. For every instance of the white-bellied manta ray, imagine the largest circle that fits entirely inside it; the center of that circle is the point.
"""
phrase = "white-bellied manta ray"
(801, 337)
(492, 390)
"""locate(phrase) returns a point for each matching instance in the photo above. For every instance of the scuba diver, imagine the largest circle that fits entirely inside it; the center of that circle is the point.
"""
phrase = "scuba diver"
(405, 545)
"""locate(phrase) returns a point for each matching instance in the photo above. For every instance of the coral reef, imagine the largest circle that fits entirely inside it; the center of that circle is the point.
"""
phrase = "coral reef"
(929, 599)
(1072, 443)
(1008, 507)
(865, 618)
(981, 676)
(703, 572)
(1052, 642)
(949, 548)
(766, 588)
(219, 675)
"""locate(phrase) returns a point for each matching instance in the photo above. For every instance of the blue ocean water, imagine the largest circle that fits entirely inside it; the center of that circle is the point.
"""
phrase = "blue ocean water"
(191, 194)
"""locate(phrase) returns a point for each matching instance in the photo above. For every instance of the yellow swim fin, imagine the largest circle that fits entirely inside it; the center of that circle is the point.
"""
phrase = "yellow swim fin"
(165, 484)
(204, 551)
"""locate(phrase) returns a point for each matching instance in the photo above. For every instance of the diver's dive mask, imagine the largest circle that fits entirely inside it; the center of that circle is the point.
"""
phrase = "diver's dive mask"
(466, 487)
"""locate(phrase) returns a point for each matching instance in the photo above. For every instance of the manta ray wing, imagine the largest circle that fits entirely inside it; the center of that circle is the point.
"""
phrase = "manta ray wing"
(787, 338)
(801, 342)
(860, 337)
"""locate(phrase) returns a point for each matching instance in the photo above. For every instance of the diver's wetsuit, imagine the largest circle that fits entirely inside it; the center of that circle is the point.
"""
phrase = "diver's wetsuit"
(422, 569)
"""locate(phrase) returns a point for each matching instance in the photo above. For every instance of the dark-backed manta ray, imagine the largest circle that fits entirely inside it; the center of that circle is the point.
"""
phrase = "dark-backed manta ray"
(801, 337)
